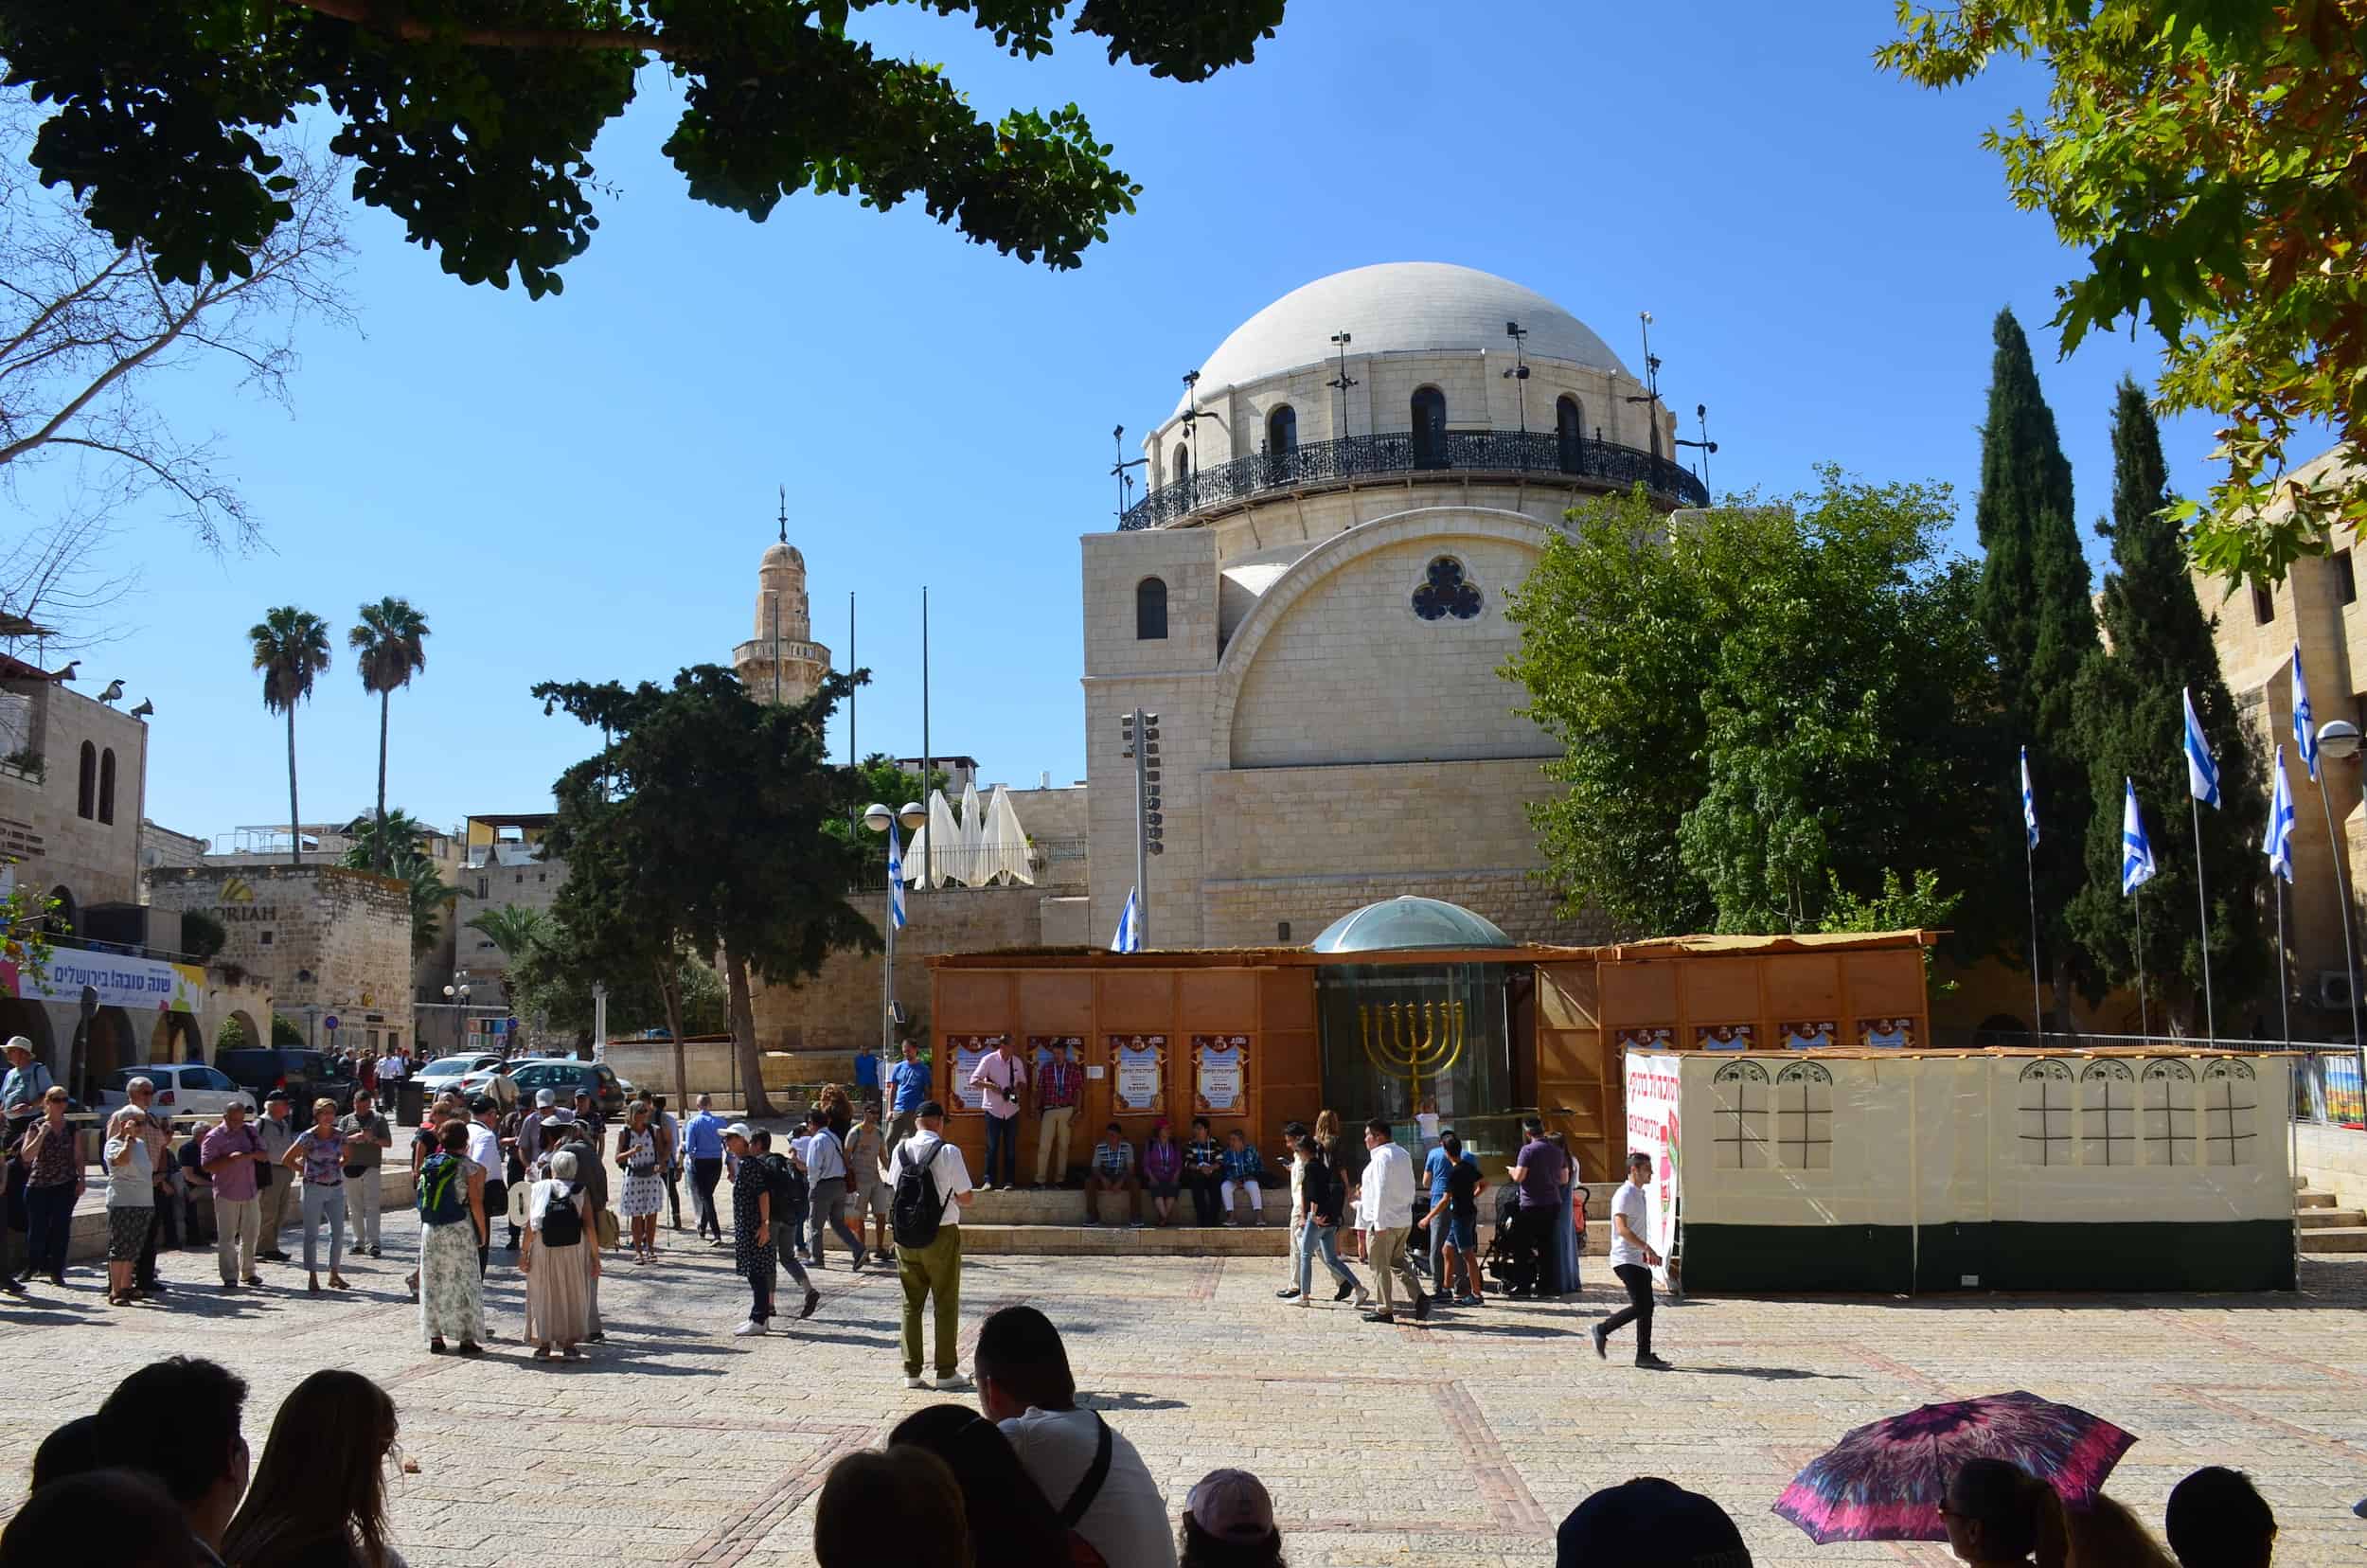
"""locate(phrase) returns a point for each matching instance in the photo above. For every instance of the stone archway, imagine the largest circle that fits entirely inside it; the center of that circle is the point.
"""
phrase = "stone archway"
(177, 1038)
(31, 1019)
(112, 1043)
(251, 1033)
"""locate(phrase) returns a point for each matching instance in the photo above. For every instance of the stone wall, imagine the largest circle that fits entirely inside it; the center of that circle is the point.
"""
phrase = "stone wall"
(2333, 1158)
(1253, 910)
(41, 825)
(838, 1010)
(325, 941)
(533, 887)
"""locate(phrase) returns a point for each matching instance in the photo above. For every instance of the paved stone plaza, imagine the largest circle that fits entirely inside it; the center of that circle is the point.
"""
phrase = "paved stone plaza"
(1455, 1445)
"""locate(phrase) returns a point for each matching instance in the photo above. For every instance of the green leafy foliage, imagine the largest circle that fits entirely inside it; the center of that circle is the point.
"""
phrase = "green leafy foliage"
(389, 843)
(1793, 695)
(390, 647)
(203, 934)
(284, 1032)
(474, 124)
(291, 647)
(1898, 905)
(2041, 628)
(2204, 158)
(2131, 726)
(231, 1036)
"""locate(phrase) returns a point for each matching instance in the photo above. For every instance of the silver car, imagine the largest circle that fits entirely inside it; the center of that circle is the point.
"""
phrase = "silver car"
(182, 1089)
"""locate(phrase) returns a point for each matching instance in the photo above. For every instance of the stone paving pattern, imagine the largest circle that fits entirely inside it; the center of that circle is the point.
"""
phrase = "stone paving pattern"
(1459, 1444)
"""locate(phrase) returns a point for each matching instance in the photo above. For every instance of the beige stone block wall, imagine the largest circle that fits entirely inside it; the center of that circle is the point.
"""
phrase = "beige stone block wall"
(1392, 818)
(40, 825)
(486, 888)
(322, 939)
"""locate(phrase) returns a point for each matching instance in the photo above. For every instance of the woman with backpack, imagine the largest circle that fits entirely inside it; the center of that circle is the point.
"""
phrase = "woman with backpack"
(451, 1218)
(558, 1261)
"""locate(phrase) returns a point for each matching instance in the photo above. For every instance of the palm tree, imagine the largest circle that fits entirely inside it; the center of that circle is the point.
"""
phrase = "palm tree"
(390, 649)
(291, 647)
(430, 892)
(513, 929)
(391, 840)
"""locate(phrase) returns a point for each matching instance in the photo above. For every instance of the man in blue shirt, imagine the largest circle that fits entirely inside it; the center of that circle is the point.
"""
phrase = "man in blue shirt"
(1435, 1167)
(703, 1145)
(26, 1082)
(910, 1079)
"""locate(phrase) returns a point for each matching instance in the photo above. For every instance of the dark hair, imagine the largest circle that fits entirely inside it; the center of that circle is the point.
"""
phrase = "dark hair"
(71, 1450)
(1534, 1126)
(1111, 1127)
(1237, 1132)
(323, 1474)
(55, 1526)
(1012, 1524)
(1199, 1121)
(2216, 1519)
(1196, 1548)
(453, 1139)
(929, 1109)
(816, 1116)
(1452, 1145)
(1637, 1157)
(178, 1420)
(1293, 1131)
(658, 1101)
(1018, 1349)
(2018, 1513)
(907, 1484)
(1378, 1128)
(871, 1106)
(760, 1138)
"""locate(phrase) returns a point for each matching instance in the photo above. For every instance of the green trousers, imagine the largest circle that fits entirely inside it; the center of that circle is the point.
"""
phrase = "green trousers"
(935, 1270)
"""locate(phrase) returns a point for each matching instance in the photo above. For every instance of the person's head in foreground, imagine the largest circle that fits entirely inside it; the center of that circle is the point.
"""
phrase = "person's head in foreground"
(178, 1420)
(1649, 1522)
(1011, 1522)
(322, 1481)
(2216, 1520)
(1020, 1363)
(907, 1484)
(2105, 1532)
(1228, 1522)
(122, 1518)
(69, 1450)
(1999, 1514)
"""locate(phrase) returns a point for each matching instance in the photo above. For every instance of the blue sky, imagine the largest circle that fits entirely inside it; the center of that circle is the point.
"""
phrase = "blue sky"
(579, 486)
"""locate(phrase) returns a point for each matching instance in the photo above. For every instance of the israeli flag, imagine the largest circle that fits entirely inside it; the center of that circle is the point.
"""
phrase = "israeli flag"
(2202, 775)
(2029, 802)
(895, 879)
(2136, 854)
(1129, 937)
(2278, 846)
(2305, 723)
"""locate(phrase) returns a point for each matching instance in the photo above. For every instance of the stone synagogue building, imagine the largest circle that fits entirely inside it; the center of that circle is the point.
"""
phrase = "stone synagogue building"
(1310, 596)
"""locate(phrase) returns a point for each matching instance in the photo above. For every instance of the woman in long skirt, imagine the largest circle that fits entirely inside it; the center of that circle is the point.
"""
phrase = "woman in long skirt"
(644, 1192)
(451, 1218)
(560, 1259)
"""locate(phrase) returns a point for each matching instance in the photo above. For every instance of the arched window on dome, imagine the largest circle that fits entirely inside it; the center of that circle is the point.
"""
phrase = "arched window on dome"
(86, 784)
(1282, 431)
(1429, 428)
(1180, 471)
(1151, 610)
(1570, 432)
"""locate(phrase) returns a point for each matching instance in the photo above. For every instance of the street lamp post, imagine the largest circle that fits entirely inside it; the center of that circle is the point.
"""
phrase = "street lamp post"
(881, 820)
(456, 997)
(2338, 738)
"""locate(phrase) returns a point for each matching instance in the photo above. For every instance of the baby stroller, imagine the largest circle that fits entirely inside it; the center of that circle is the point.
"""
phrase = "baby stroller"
(1504, 1260)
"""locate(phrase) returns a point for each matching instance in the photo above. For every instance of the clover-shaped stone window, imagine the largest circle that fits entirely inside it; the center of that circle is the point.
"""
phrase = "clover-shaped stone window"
(1445, 592)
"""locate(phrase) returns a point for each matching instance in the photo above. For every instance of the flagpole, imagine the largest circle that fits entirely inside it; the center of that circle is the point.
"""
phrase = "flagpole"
(2285, 989)
(2037, 1016)
(2202, 908)
(2145, 1019)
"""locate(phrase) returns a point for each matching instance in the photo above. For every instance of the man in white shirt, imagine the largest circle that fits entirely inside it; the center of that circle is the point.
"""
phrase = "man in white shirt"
(1025, 1387)
(1388, 1202)
(934, 1269)
(1000, 1079)
(1632, 1259)
(485, 1151)
(825, 1168)
(392, 1069)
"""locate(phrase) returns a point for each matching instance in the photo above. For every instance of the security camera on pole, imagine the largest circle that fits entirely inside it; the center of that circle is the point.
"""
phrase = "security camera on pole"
(1141, 733)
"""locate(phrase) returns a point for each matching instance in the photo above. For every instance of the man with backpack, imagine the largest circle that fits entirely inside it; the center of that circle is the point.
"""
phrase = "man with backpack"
(931, 1186)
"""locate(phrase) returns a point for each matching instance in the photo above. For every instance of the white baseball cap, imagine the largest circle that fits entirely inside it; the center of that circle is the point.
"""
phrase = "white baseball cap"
(545, 1098)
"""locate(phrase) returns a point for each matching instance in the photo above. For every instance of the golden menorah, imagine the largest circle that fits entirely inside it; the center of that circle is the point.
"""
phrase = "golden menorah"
(1412, 1040)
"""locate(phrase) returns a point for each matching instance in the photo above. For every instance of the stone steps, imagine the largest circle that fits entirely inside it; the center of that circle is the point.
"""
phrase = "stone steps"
(2329, 1219)
(2345, 1238)
(2310, 1197)
(1126, 1241)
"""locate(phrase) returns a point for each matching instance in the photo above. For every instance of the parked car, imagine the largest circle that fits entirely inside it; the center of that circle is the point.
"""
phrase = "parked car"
(182, 1089)
(450, 1072)
(305, 1074)
(492, 1078)
(566, 1074)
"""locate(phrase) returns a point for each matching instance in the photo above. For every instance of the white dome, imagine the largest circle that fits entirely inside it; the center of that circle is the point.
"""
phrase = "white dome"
(1394, 307)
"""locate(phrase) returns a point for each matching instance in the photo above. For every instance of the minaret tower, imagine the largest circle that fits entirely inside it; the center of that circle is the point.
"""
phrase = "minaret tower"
(779, 664)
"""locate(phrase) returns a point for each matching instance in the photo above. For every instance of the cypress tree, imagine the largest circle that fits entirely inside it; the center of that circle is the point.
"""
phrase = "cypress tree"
(2132, 725)
(2041, 629)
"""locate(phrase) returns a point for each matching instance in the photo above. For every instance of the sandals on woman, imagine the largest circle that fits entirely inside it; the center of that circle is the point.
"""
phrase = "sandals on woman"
(542, 1352)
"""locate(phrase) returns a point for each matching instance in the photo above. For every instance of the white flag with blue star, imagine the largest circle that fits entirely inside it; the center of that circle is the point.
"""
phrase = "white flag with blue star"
(1129, 937)
(2029, 802)
(895, 879)
(2136, 854)
(2305, 723)
(2202, 775)
(2278, 846)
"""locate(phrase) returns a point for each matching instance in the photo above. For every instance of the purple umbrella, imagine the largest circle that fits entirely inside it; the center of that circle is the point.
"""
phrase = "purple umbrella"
(1885, 1481)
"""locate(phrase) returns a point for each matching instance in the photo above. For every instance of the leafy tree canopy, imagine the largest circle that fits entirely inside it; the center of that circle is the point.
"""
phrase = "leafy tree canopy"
(1794, 696)
(2205, 157)
(474, 124)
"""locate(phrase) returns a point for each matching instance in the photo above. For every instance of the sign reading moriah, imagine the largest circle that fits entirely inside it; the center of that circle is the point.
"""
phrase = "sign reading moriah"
(144, 985)
(1652, 1094)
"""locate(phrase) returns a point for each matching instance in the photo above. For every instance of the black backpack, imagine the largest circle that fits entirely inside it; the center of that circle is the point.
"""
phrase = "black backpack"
(918, 1208)
(790, 1192)
(562, 1222)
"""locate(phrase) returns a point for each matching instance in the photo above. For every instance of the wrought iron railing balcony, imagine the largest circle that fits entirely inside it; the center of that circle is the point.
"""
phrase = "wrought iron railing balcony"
(1315, 465)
